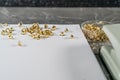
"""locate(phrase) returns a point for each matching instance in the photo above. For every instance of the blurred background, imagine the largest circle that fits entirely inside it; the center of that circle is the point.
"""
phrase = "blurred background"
(60, 3)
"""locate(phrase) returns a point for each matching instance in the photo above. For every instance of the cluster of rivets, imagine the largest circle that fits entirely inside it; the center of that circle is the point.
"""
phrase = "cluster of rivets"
(36, 32)
(8, 32)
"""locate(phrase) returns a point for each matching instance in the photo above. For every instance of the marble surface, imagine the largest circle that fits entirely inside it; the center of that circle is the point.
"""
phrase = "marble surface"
(58, 15)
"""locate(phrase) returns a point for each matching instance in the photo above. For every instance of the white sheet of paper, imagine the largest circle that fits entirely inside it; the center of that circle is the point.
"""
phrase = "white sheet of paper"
(54, 58)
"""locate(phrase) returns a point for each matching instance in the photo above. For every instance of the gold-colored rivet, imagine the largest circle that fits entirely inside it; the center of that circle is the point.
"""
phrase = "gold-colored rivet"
(7, 30)
(46, 36)
(5, 24)
(10, 37)
(53, 28)
(3, 32)
(23, 31)
(71, 36)
(66, 30)
(62, 34)
(45, 26)
(19, 43)
(20, 24)
(11, 29)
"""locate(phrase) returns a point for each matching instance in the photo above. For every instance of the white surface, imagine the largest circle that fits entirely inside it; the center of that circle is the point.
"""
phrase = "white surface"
(55, 58)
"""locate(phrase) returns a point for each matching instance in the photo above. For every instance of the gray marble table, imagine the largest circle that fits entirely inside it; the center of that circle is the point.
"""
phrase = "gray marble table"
(13, 15)
(58, 15)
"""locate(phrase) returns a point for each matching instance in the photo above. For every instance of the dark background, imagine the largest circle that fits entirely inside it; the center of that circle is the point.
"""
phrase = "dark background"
(61, 3)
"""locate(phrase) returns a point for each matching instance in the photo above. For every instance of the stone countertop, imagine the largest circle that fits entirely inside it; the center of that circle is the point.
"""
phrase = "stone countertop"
(13, 15)
(58, 15)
